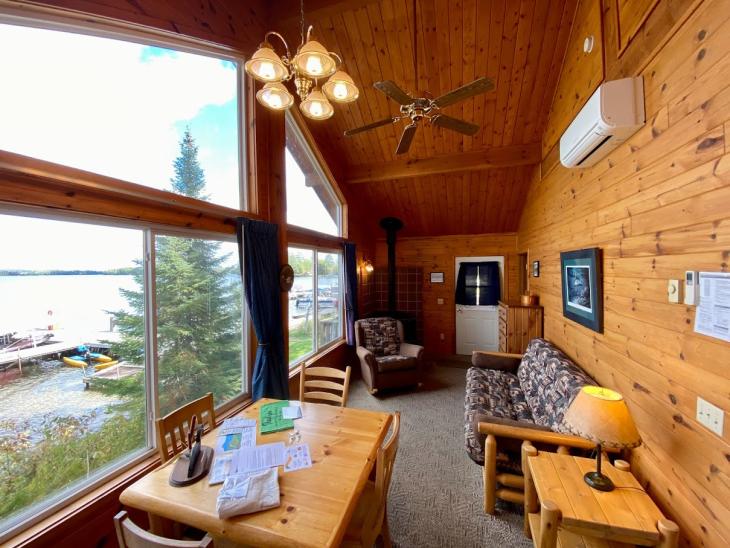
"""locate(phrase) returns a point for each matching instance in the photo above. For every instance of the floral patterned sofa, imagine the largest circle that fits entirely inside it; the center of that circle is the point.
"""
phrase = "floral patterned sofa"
(533, 390)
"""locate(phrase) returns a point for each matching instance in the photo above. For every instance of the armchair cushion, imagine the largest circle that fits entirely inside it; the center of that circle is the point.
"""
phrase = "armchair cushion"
(381, 336)
(395, 363)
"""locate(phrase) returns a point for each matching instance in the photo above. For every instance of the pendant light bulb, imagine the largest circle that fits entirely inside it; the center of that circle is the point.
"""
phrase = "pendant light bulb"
(314, 61)
(316, 106)
(341, 87)
(275, 96)
(266, 66)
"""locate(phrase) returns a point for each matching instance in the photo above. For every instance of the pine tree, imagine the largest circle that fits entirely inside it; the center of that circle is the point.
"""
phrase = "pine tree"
(199, 301)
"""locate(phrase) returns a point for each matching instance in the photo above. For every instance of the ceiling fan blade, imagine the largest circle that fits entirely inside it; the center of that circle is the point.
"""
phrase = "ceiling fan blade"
(406, 139)
(385, 122)
(392, 90)
(454, 124)
(480, 85)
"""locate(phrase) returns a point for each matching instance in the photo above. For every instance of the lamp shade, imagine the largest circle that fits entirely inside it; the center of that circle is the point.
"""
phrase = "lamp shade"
(601, 415)
(341, 87)
(275, 96)
(266, 65)
(316, 106)
(314, 61)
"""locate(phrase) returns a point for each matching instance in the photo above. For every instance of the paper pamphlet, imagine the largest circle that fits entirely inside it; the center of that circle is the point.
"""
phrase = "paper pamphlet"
(297, 457)
(713, 314)
(268, 455)
(271, 418)
(291, 412)
(234, 434)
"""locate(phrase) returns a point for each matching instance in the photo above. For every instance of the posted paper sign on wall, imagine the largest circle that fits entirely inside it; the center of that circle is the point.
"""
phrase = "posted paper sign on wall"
(713, 313)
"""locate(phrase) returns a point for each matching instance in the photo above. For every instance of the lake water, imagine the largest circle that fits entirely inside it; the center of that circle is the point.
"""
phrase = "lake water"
(80, 304)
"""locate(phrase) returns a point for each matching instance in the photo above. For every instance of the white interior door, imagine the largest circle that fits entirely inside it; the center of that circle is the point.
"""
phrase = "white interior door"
(477, 327)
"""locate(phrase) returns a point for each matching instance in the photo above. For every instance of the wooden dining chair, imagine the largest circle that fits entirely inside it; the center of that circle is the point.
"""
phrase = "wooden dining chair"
(173, 428)
(326, 389)
(370, 519)
(130, 535)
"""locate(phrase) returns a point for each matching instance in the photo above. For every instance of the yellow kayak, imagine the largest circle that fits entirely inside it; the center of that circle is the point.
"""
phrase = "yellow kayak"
(78, 361)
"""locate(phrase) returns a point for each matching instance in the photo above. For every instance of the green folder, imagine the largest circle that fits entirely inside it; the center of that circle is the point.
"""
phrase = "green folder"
(271, 419)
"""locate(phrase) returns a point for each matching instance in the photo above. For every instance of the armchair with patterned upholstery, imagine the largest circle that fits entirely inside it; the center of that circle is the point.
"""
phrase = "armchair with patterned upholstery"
(386, 361)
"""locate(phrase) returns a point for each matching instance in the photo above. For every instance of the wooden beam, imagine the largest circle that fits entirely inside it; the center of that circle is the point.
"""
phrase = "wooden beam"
(475, 160)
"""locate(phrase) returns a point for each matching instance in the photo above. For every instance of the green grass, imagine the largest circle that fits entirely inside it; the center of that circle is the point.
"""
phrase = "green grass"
(300, 341)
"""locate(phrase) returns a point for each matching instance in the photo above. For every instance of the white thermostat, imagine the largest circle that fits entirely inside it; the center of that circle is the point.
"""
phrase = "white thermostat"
(691, 288)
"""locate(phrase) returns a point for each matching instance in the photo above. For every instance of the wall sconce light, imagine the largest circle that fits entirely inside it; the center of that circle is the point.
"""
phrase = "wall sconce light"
(368, 266)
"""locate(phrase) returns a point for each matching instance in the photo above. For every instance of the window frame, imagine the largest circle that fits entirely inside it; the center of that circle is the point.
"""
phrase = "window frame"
(41, 510)
(317, 350)
(293, 120)
(55, 19)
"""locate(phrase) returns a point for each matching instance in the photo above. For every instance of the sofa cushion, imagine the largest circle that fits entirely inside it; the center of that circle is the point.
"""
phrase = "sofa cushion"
(395, 363)
(550, 381)
(381, 336)
(491, 393)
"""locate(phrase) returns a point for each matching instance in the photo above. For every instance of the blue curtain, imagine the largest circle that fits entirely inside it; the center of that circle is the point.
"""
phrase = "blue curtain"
(258, 254)
(478, 284)
(350, 292)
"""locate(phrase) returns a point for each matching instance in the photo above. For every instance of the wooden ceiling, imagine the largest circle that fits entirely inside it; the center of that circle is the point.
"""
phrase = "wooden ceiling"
(520, 44)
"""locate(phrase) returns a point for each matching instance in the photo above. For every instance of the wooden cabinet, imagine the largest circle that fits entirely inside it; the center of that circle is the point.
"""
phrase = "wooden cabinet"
(518, 324)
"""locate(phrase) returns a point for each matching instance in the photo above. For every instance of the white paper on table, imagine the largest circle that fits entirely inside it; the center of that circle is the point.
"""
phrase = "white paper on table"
(268, 455)
(221, 468)
(713, 314)
(291, 412)
(236, 424)
(234, 439)
(297, 457)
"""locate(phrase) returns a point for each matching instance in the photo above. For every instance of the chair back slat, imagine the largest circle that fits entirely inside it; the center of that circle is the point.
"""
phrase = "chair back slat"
(130, 535)
(329, 390)
(173, 428)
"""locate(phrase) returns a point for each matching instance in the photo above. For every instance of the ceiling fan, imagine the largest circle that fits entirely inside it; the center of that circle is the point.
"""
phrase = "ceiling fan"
(421, 109)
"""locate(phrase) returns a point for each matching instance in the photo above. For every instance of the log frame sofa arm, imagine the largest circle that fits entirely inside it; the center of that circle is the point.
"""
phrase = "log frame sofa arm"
(502, 361)
(528, 437)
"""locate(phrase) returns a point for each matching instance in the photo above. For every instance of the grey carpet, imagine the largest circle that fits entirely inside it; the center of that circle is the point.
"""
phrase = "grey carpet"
(435, 498)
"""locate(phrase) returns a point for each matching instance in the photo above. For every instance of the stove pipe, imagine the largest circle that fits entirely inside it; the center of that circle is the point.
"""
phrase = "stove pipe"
(391, 225)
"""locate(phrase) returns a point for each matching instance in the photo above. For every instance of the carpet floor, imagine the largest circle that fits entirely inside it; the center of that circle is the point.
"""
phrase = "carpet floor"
(435, 497)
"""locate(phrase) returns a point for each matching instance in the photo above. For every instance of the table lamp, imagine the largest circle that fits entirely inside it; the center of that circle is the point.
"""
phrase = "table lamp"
(601, 415)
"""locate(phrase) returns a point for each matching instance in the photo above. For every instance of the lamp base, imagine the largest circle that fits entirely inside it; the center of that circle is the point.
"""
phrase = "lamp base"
(599, 481)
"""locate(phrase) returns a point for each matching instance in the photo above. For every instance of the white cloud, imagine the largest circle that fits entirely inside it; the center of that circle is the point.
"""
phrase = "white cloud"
(90, 103)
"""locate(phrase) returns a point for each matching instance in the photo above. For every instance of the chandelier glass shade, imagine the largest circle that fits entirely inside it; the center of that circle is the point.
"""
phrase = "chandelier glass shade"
(311, 63)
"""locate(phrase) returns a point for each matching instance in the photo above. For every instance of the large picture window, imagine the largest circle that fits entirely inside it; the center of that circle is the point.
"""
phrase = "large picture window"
(120, 108)
(315, 302)
(311, 201)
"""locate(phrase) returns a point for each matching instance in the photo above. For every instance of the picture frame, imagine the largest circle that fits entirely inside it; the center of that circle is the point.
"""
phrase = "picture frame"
(582, 287)
(437, 277)
(535, 269)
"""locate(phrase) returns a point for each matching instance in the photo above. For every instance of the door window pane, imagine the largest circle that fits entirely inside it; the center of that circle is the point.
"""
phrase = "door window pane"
(199, 301)
(72, 383)
(329, 298)
(119, 108)
(311, 202)
(301, 309)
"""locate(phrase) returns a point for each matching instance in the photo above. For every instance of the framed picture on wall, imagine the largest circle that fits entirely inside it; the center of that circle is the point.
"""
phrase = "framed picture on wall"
(582, 282)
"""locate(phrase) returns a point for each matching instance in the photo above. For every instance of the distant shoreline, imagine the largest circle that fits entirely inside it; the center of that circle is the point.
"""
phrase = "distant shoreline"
(114, 272)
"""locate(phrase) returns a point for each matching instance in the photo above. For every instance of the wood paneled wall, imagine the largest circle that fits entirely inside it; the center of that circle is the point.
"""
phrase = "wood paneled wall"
(657, 206)
(438, 254)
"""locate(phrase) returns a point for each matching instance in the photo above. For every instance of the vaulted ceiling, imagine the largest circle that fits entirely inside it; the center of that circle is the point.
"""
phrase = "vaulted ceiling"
(520, 44)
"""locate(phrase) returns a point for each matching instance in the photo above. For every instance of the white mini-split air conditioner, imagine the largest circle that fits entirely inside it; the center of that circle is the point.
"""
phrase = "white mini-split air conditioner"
(613, 114)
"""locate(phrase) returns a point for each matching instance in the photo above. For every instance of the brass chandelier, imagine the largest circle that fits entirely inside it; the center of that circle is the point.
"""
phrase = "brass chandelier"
(311, 63)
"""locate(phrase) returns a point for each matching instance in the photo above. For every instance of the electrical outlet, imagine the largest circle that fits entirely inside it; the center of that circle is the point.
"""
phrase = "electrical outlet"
(710, 416)
(439, 301)
(441, 336)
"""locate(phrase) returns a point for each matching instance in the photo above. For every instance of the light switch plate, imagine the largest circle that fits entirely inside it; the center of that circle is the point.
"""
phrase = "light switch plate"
(673, 291)
(439, 301)
(710, 416)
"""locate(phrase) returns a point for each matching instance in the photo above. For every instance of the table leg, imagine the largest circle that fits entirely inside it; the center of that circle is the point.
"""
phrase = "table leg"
(549, 522)
(160, 526)
(668, 533)
(531, 502)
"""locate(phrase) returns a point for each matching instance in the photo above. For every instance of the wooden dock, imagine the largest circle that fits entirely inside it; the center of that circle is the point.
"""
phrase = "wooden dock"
(53, 349)
(114, 372)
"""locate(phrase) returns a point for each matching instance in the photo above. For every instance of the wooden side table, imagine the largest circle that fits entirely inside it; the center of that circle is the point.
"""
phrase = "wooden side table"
(562, 510)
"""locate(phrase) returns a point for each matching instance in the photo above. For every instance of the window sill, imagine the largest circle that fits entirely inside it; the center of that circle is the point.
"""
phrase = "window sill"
(294, 371)
(65, 521)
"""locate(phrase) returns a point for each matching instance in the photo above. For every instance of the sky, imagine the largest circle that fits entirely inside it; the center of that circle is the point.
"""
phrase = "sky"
(118, 109)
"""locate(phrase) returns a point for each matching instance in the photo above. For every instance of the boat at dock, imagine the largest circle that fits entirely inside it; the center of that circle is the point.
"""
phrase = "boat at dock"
(81, 363)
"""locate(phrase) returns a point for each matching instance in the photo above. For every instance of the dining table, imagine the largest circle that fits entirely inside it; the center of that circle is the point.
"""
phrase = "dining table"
(316, 503)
